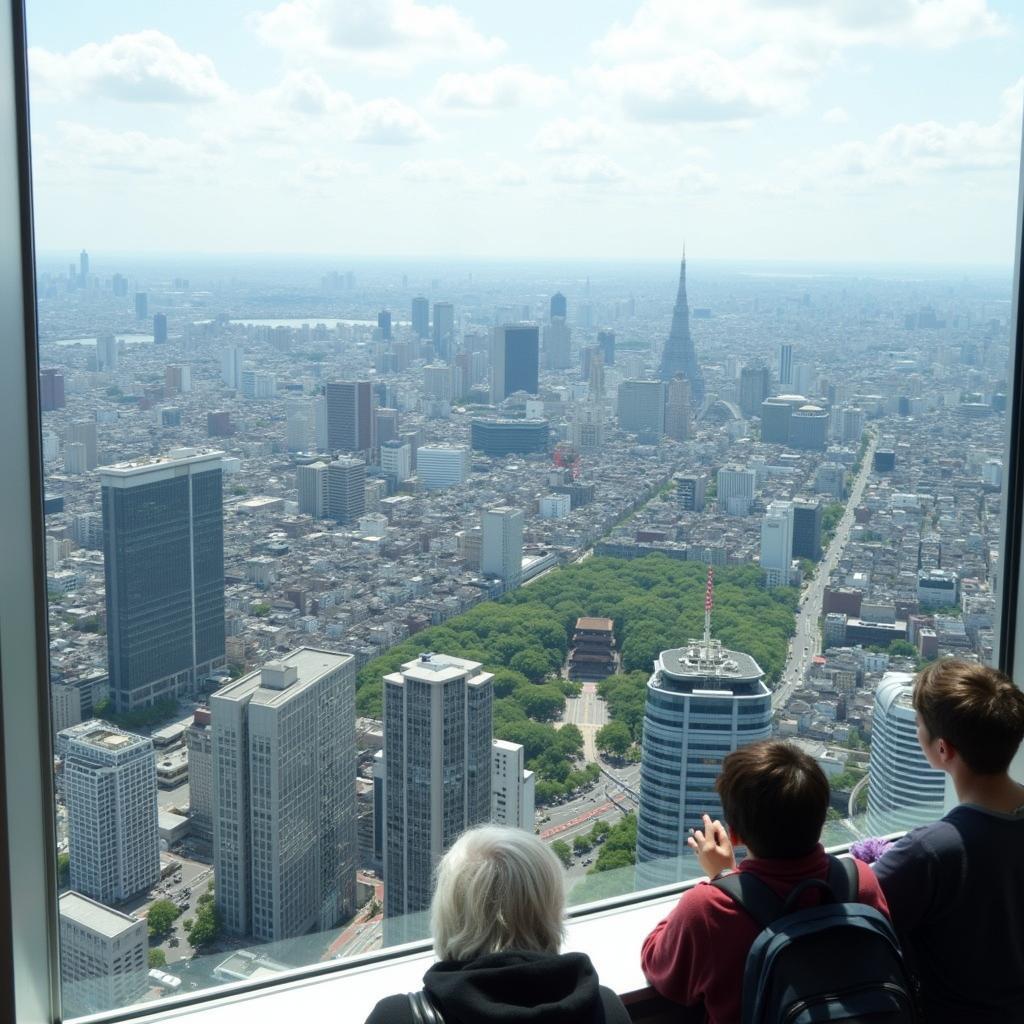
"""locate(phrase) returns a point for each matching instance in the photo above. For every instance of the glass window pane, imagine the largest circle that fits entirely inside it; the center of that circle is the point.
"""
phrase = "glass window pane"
(404, 471)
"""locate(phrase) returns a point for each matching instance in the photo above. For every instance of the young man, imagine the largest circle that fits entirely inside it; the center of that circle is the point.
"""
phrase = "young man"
(775, 798)
(956, 888)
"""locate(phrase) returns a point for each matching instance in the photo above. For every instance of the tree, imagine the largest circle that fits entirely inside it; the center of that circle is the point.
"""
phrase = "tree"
(161, 916)
(157, 958)
(581, 844)
(533, 664)
(543, 702)
(561, 850)
(63, 868)
(614, 738)
(206, 926)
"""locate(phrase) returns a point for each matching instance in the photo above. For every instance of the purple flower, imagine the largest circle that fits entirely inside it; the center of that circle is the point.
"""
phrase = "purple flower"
(869, 850)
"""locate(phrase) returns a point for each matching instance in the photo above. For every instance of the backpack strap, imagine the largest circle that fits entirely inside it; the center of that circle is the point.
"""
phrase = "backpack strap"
(423, 1010)
(756, 897)
(843, 879)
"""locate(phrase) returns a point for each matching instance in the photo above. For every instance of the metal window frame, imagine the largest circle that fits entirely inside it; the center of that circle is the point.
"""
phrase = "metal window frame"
(29, 964)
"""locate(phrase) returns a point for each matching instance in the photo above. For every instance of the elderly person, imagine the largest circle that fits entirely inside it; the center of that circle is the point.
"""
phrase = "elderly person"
(497, 921)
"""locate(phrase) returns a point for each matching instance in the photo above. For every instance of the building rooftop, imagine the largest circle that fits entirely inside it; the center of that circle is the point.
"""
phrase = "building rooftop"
(155, 463)
(438, 668)
(87, 913)
(593, 622)
(309, 665)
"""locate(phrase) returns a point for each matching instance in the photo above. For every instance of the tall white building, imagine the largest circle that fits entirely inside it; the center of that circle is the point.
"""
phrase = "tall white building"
(284, 811)
(439, 381)
(110, 789)
(396, 460)
(442, 465)
(103, 956)
(512, 786)
(555, 506)
(557, 339)
(83, 432)
(903, 791)
(501, 548)
(232, 363)
(437, 777)
(735, 490)
(777, 542)
(106, 352)
(311, 482)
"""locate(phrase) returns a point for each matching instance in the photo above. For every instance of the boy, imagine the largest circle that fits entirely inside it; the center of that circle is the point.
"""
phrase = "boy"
(956, 888)
(775, 798)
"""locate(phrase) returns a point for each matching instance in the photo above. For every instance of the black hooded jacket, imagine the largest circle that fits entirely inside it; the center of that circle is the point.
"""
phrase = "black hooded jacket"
(512, 987)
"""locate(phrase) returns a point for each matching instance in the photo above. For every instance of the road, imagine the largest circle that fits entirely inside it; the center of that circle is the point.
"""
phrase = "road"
(806, 642)
(588, 712)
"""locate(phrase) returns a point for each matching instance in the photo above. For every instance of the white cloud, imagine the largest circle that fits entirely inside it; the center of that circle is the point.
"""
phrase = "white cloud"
(443, 171)
(513, 85)
(389, 122)
(509, 175)
(142, 67)
(586, 170)
(326, 171)
(381, 35)
(564, 135)
(835, 115)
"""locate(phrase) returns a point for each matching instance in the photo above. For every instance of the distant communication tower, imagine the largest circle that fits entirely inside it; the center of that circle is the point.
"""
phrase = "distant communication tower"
(567, 457)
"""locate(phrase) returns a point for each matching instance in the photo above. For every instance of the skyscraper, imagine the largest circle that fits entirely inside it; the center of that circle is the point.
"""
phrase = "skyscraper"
(703, 702)
(160, 329)
(199, 741)
(641, 408)
(350, 407)
(396, 460)
(284, 760)
(679, 356)
(141, 305)
(786, 365)
(514, 360)
(755, 383)
(903, 790)
(437, 771)
(232, 364)
(501, 551)
(110, 790)
(420, 316)
(163, 548)
(106, 352)
(512, 786)
(735, 489)
(444, 330)
(83, 269)
(384, 324)
(678, 412)
(51, 389)
(311, 482)
(83, 432)
(777, 542)
(558, 305)
(346, 490)
(807, 516)
(557, 344)
(606, 343)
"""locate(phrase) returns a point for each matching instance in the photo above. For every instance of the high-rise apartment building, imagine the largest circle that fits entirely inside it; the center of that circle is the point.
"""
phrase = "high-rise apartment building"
(514, 360)
(903, 790)
(350, 409)
(284, 809)
(501, 551)
(160, 329)
(777, 543)
(163, 561)
(346, 490)
(703, 702)
(557, 337)
(444, 330)
(442, 465)
(420, 317)
(311, 483)
(103, 956)
(786, 365)
(109, 783)
(199, 743)
(232, 364)
(641, 408)
(437, 777)
(735, 490)
(512, 786)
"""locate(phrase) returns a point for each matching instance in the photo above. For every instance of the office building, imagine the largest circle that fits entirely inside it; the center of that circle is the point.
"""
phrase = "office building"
(755, 383)
(437, 777)
(51, 389)
(703, 702)
(83, 269)
(807, 516)
(559, 306)
(808, 428)
(104, 956)
(555, 506)
(938, 587)
(853, 421)
(439, 381)
(396, 460)
(384, 324)
(110, 790)
(690, 492)
(346, 490)
(679, 355)
(284, 796)
(776, 414)
(141, 306)
(514, 360)
(678, 412)
(442, 465)
(258, 385)
(587, 427)
(311, 483)
(512, 786)
(420, 317)
(177, 379)
(106, 353)
(606, 343)
(777, 543)
(786, 365)
(501, 549)
(83, 432)
(444, 330)
(163, 555)
(75, 457)
(199, 743)
(500, 437)
(350, 415)
(557, 337)
(218, 424)
(386, 424)
(160, 329)
(903, 791)
(232, 364)
(641, 408)
(735, 490)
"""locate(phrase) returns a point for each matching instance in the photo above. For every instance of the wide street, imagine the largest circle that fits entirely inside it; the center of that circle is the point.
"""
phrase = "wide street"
(588, 712)
(806, 642)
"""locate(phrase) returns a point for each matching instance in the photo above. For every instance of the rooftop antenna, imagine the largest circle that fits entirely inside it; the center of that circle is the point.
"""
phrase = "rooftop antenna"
(709, 603)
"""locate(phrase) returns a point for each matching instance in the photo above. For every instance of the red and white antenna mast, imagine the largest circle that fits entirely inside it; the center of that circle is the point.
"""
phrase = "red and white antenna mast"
(709, 603)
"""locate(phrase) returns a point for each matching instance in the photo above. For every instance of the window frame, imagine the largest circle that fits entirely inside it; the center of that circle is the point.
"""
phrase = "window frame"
(29, 955)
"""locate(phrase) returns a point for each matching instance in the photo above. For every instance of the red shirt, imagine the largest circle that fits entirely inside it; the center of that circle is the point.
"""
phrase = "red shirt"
(697, 954)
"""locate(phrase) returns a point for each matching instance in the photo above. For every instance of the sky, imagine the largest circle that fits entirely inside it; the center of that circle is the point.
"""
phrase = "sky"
(833, 130)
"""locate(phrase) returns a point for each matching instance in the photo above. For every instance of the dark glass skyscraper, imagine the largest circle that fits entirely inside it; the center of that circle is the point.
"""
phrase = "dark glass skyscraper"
(558, 305)
(163, 546)
(350, 409)
(515, 360)
(678, 355)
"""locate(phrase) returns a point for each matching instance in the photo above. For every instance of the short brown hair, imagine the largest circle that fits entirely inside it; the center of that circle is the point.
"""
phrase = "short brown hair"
(775, 797)
(977, 709)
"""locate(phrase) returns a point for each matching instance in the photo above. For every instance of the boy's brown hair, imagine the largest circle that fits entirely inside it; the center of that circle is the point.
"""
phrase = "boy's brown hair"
(976, 709)
(775, 797)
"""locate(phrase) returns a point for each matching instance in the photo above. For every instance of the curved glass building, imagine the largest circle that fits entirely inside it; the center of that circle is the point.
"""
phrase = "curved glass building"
(703, 701)
(903, 791)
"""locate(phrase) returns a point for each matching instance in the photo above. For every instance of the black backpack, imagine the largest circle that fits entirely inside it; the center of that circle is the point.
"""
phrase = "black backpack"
(838, 961)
